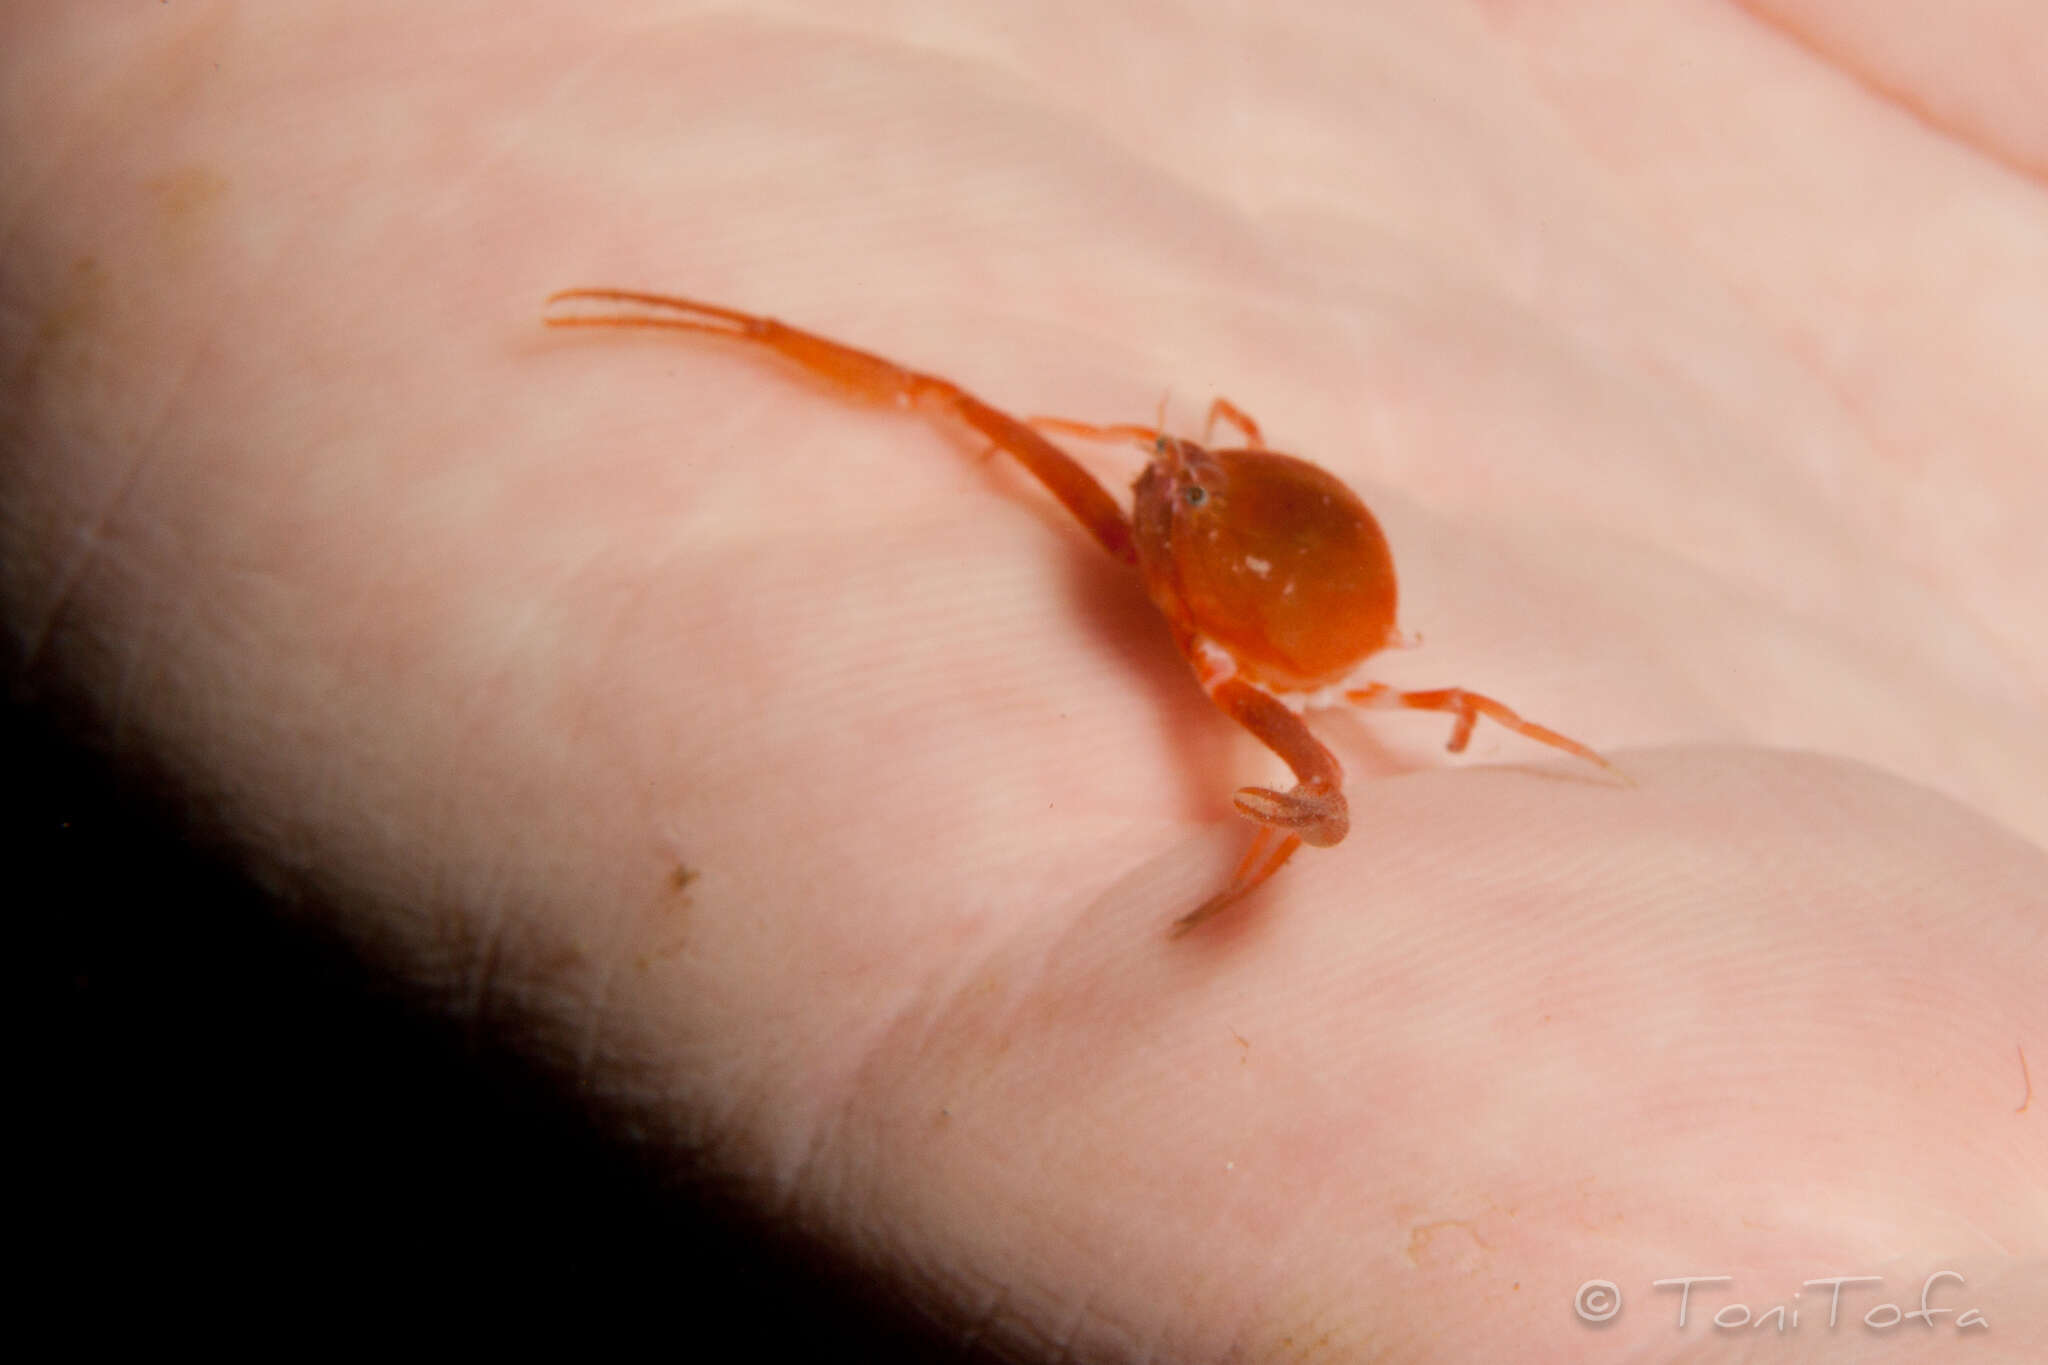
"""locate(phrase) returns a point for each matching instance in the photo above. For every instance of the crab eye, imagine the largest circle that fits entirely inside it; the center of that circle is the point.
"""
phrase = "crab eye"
(1194, 495)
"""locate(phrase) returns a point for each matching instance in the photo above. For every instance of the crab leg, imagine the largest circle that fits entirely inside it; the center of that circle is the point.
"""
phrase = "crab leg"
(869, 377)
(1468, 707)
(1314, 812)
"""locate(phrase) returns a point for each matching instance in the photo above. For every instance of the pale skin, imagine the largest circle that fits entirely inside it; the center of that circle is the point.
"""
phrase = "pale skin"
(817, 794)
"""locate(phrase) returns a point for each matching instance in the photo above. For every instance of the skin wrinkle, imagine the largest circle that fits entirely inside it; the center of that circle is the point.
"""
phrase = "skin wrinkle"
(78, 565)
(90, 542)
(148, 631)
(325, 790)
(1650, 219)
(1065, 1339)
(868, 1085)
(950, 987)
(1199, 195)
(1900, 96)
(975, 1325)
(1912, 552)
(1646, 537)
(1911, 105)
(486, 961)
(148, 447)
(1166, 1316)
(791, 1182)
(1195, 188)
(1990, 634)
(583, 1071)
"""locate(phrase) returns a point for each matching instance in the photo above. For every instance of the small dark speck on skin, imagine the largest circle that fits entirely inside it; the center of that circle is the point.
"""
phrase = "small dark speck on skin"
(674, 916)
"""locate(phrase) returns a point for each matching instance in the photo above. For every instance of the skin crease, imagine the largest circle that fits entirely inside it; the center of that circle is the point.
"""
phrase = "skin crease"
(816, 795)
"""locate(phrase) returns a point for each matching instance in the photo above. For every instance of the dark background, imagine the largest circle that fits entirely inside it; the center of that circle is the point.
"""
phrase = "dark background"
(239, 1135)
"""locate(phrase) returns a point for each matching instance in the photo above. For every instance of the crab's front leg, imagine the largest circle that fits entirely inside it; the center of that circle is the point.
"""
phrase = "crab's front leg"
(870, 378)
(1468, 706)
(1313, 812)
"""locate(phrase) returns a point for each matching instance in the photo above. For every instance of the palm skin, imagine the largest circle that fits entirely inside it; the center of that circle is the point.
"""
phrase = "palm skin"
(819, 796)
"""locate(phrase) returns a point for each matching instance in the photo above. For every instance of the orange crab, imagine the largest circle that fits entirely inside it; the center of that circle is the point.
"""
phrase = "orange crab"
(1273, 576)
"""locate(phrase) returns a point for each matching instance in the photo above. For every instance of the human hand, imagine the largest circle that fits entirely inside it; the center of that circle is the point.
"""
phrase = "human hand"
(818, 797)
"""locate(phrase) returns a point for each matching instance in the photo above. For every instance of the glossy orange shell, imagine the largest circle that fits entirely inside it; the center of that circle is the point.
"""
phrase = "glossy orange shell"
(1269, 557)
